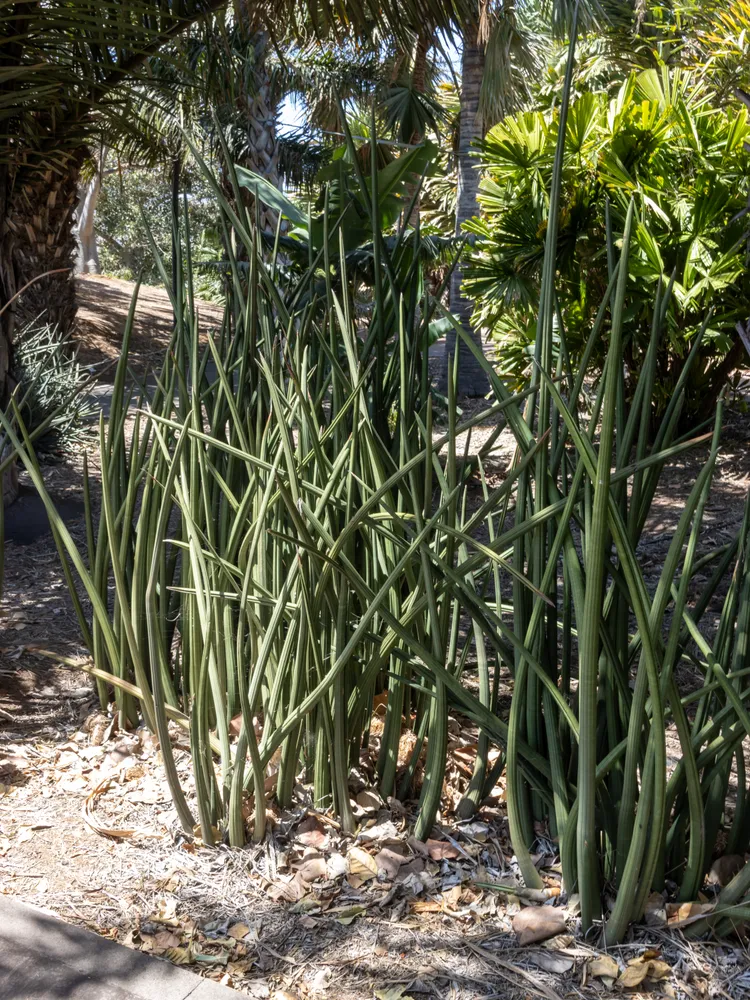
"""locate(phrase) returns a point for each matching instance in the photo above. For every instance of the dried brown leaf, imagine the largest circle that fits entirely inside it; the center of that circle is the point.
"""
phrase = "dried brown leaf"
(451, 897)
(369, 800)
(418, 847)
(556, 964)
(312, 868)
(180, 956)
(683, 914)
(633, 975)
(311, 832)
(425, 906)
(289, 891)
(361, 863)
(604, 967)
(560, 943)
(537, 923)
(389, 861)
(166, 939)
(440, 850)
(658, 969)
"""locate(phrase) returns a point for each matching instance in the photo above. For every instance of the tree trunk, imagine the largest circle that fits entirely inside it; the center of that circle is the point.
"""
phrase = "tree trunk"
(472, 380)
(258, 109)
(41, 237)
(9, 483)
(37, 235)
(7, 282)
(419, 82)
(419, 69)
(262, 113)
(88, 252)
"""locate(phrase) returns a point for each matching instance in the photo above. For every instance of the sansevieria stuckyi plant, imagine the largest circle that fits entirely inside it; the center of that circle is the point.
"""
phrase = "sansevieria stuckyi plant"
(285, 537)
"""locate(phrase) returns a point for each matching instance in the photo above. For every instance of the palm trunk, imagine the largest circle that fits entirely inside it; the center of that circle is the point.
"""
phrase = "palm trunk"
(9, 479)
(419, 69)
(7, 282)
(37, 235)
(418, 82)
(262, 114)
(42, 239)
(257, 107)
(472, 379)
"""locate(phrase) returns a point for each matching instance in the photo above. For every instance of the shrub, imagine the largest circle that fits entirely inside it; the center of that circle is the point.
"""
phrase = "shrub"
(50, 385)
(284, 537)
(683, 161)
(135, 206)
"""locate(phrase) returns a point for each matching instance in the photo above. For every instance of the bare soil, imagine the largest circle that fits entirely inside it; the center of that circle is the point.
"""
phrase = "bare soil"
(103, 305)
(87, 829)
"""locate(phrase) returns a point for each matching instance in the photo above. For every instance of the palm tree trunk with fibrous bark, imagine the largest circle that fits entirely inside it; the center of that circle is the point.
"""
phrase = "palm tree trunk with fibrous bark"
(9, 484)
(419, 69)
(7, 282)
(472, 379)
(257, 109)
(39, 247)
(261, 116)
(37, 236)
(419, 83)
(37, 205)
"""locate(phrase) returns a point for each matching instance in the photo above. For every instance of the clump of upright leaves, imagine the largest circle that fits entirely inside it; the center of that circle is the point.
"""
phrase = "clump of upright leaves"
(620, 816)
(286, 539)
(281, 539)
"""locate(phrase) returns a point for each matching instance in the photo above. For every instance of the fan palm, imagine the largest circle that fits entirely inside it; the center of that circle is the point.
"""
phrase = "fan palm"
(237, 80)
(505, 46)
(659, 141)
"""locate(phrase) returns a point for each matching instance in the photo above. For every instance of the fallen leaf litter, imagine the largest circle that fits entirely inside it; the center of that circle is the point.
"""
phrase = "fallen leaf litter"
(447, 914)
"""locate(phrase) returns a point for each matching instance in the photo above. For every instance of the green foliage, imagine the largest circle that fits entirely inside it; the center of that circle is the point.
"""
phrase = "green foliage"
(137, 202)
(289, 503)
(284, 535)
(63, 60)
(341, 216)
(439, 191)
(50, 384)
(286, 538)
(724, 46)
(661, 142)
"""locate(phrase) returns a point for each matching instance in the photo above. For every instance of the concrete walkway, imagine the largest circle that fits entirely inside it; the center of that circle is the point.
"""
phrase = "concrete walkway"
(43, 958)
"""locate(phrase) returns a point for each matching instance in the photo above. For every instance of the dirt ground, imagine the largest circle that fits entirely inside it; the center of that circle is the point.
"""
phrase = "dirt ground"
(87, 829)
(103, 305)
